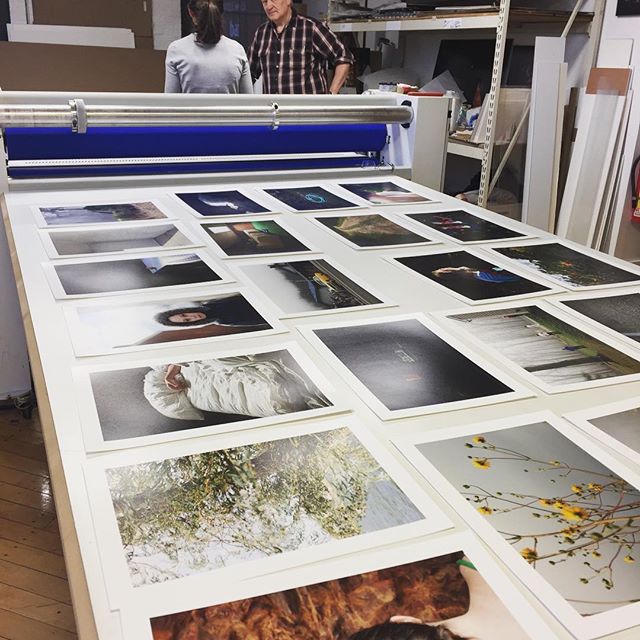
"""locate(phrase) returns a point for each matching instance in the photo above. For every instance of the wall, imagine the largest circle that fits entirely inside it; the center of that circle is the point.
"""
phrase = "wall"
(625, 241)
(166, 22)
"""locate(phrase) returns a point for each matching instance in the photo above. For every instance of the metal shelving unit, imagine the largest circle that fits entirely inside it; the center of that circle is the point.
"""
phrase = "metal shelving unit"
(497, 22)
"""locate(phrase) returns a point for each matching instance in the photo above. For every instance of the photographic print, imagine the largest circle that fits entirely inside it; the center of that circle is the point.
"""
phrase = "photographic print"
(255, 238)
(371, 231)
(109, 276)
(470, 276)
(558, 356)
(568, 267)
(427, 587)
(228, 392)
(196, 513)
(406, 368)
(97, 329)
(312, 198)
(99, 213)
(308, 286)
(118, 239)
(464, 226)
(616, 424)
(567, 512)
(384, 193)
(221, 203)
(620, 313)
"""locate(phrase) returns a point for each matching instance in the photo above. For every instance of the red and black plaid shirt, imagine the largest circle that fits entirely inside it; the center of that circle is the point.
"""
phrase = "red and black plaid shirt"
(297, 60)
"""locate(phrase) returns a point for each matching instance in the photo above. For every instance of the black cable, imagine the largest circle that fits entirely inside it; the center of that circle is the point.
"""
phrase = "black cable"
(635, 196)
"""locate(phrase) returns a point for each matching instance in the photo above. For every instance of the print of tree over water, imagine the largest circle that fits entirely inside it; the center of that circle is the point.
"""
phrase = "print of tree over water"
(182, 516)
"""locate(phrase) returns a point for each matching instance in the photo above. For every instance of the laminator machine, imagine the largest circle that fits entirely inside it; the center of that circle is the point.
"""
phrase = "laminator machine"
(65, 143)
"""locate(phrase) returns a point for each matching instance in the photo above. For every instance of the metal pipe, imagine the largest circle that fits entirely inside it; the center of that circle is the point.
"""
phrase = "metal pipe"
(122, 115)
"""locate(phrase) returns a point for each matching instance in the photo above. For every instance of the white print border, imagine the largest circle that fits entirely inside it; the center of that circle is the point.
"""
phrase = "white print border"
(118, 583)
(82, 341)
(60, 293)
(456, 327)
(90, 422)
(518, 392)
(409, 186)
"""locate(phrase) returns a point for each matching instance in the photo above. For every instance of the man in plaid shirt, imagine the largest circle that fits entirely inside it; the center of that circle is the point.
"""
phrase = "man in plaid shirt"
(292, 53)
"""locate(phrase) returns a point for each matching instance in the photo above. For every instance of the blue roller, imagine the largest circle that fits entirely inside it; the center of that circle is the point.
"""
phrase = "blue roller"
(136, 142)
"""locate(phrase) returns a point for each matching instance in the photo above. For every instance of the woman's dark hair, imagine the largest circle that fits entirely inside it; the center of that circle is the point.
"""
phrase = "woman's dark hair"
(207, 19)
(164, 317)
(405, 631)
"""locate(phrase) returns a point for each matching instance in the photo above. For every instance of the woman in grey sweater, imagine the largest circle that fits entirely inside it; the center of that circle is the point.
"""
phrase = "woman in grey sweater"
(206, 61)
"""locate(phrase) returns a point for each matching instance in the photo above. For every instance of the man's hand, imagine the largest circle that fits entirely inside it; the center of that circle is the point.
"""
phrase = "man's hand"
(339, 77)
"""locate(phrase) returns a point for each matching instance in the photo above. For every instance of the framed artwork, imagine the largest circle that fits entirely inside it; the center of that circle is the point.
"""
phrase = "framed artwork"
(220, 203)
(308, 287)
(617, 425)
(157, 400)
(464, 226)
(570, 267)
(404, 366)
(311, 198)
(448, 581)
(550, 348)
(142, 323)
(371, 231)
(384, 192)
(116, 239)
(256, 237)
(78, 214)
(181, 514)
(471, 276)
(83, 278)
(560, 511)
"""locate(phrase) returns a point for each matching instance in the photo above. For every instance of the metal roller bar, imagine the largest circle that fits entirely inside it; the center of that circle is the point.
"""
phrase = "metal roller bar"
(271, 114)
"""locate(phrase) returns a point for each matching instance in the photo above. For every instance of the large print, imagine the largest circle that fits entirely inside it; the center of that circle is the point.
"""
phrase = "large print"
(150, 272)
(556, 354)
(470, 276)
(384, 193)
(556, 500)
(221, 203)
(408, 368)
(223, 393)
(254, 238)
(312, 198)
(371, 231)
(97, 213)
(567, 266)
(423, 591)
(464, 226)
(308, 286)
(620, 313)
(196, 513)
(102, 328)
(115, 239)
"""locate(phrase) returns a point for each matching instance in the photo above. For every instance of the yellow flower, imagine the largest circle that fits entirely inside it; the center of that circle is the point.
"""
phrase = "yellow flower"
(485, 511)
(595, 487)
(570, 530)
(479, 439)
(558, 504)
(574, 513)
(629, 559)
(596, 554)
(555, 463)
(546, 502)
(481, 463)
(529, 554)
(576, 488)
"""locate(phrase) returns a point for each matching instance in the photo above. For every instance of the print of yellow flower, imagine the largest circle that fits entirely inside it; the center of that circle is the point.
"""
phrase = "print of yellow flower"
(574, 513)
(485, 511)
(594, 487)
(479, 439)
(629, 559)
(529, 554)
(481, 463)
(546, 502)
(576, 488)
